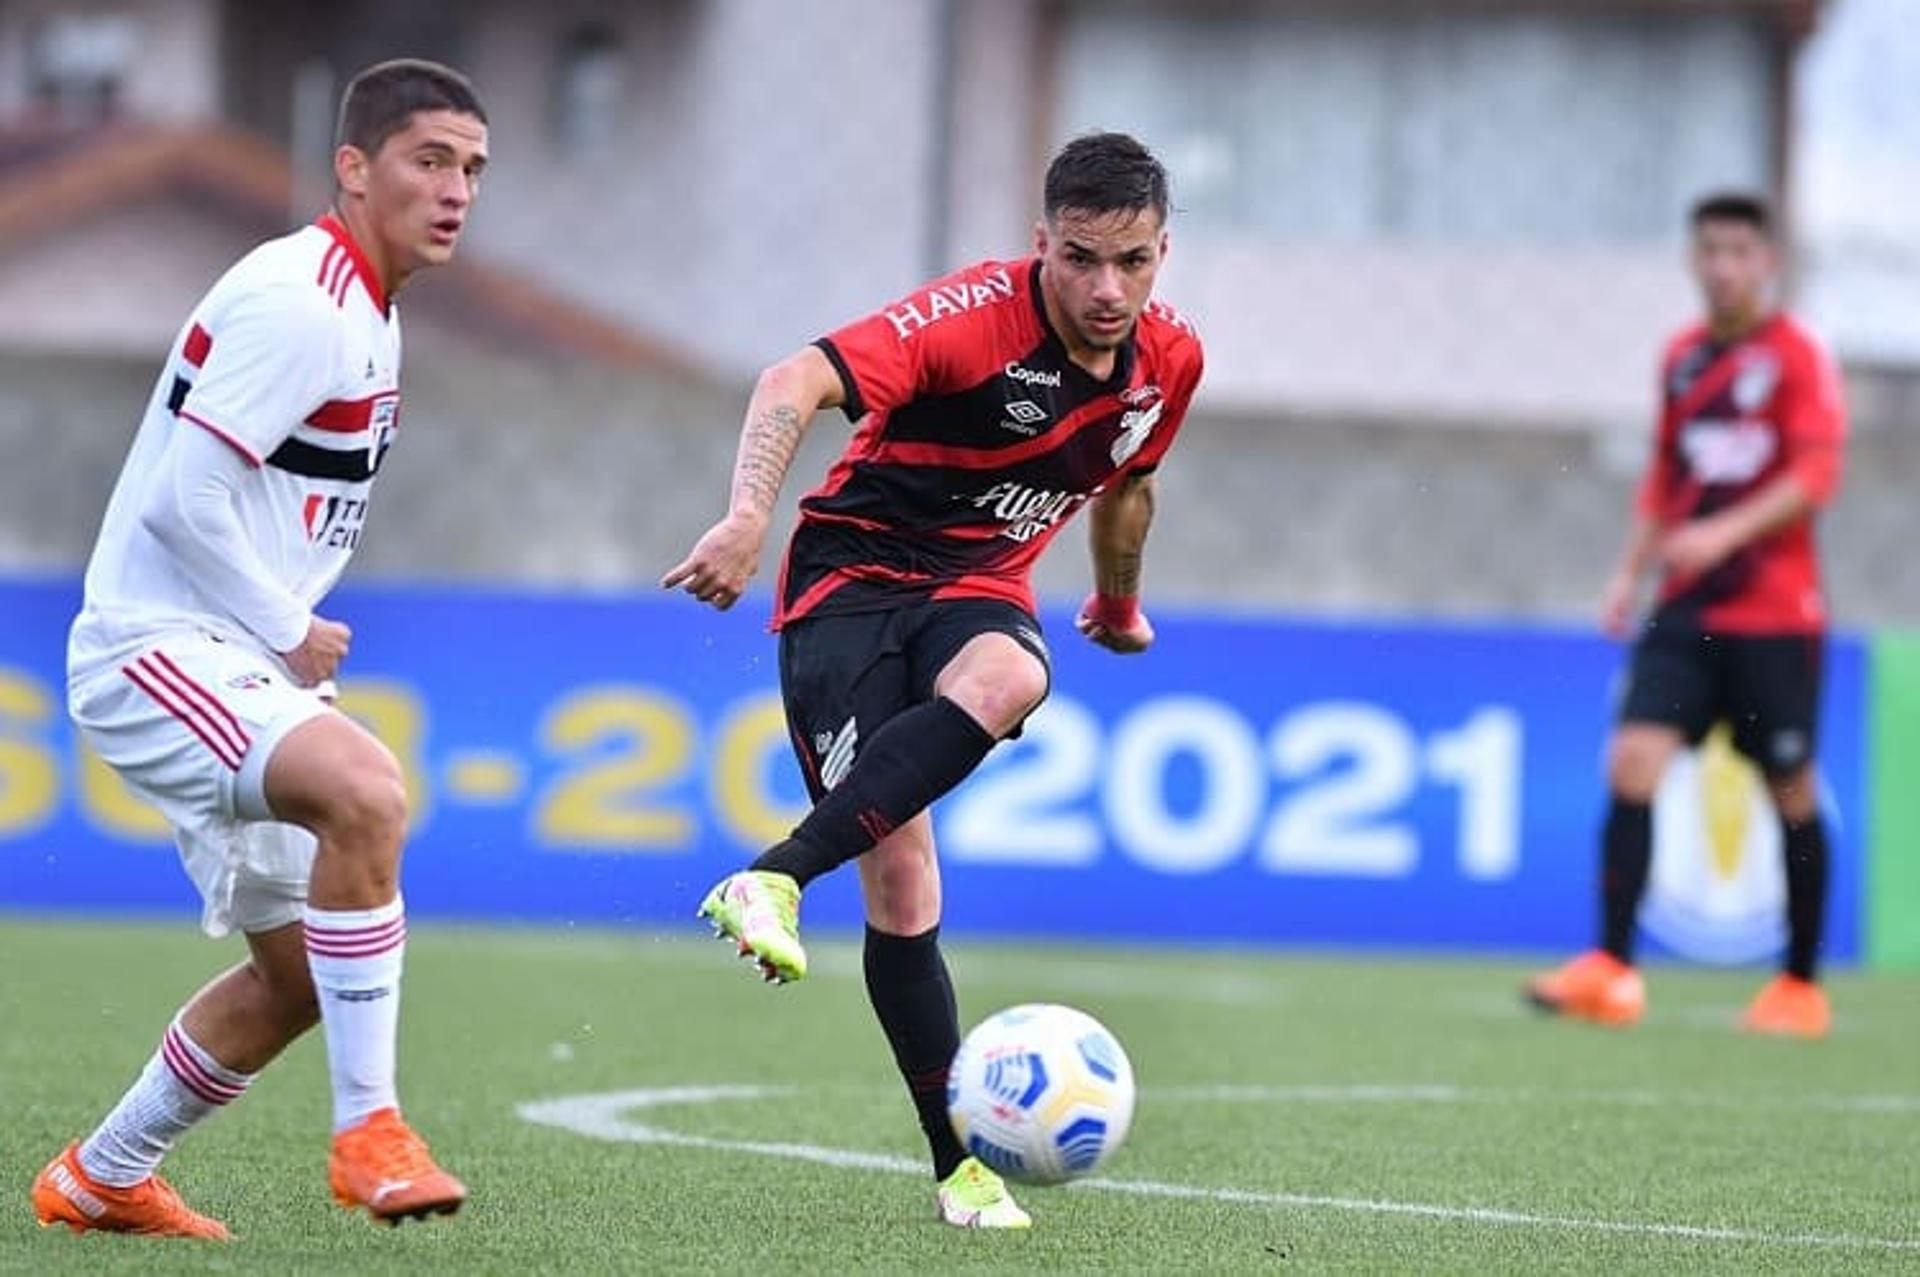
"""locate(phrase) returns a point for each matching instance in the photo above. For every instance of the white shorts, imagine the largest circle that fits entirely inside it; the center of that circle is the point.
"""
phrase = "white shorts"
(190, 723)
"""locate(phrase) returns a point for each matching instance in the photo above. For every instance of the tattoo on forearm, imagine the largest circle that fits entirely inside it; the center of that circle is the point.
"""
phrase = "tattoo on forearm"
(1121, 537)
(766, 450)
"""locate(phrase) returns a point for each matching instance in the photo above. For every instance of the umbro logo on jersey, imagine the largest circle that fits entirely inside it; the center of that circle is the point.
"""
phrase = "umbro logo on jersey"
(1024, 417)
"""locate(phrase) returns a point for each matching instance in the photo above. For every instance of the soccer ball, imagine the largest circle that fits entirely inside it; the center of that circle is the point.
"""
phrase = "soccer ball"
(1041, 1093)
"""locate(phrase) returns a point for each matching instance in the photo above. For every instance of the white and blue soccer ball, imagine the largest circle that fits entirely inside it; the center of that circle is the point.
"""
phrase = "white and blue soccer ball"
(1041, 1093)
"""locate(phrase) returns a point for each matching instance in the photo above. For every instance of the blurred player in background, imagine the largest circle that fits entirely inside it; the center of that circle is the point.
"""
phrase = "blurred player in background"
(1748, 451)
(992, 404)
(199, 669)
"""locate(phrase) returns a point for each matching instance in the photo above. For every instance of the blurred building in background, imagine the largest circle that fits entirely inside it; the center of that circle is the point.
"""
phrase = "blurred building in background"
(1433, 248)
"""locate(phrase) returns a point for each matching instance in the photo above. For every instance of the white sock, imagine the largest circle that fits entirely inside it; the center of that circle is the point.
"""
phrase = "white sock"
(180, 1085)
(356, 956)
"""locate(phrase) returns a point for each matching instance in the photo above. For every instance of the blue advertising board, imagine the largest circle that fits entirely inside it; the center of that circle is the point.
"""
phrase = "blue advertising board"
(603, 759)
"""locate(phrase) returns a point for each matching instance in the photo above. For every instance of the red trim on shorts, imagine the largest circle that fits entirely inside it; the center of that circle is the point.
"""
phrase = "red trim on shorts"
(238, 729)
(147, 681)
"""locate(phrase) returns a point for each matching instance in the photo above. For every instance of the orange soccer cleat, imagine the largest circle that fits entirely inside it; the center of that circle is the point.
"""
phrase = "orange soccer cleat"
(63, 1194)
(1595, 986)
(382, 1165)
(1789, 1007)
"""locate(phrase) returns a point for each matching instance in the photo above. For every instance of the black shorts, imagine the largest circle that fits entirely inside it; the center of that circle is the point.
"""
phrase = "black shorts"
(1765, 686)
(841, 677)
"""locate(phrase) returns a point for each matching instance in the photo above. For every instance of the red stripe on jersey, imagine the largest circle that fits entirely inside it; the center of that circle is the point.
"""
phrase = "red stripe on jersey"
(148, 683)
(247, 453)
(840, 576)
(199, 342)
(328, 260)
(346, 416)
(940, 454)
(362, 268)
(851, 520)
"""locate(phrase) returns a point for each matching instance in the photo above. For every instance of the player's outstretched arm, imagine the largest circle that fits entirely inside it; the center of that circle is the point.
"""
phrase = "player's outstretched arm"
(784, 401)
(1118, 523)
(1622, 590)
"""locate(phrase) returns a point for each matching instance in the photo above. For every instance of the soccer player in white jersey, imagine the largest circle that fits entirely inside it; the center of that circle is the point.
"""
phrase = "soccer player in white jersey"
(200, 670)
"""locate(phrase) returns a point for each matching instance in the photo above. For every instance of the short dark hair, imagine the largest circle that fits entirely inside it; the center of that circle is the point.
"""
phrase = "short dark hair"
(381, 99)
(1732, 206)
(1105, 173)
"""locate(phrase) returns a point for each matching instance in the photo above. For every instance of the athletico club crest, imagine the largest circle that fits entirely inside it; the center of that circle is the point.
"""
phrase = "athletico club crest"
(1135, 426)
(1753, 384)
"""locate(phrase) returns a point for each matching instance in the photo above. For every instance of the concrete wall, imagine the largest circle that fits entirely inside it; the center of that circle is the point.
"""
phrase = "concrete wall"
(513, 472)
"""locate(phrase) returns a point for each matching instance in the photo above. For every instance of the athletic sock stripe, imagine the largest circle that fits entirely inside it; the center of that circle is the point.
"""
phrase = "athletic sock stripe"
(370, 949)
(373, 950)
(213, 703)
(189, 1056)
(145, 682)
(357, 944)
(355, 935)
(321, 927)
(196, 1079)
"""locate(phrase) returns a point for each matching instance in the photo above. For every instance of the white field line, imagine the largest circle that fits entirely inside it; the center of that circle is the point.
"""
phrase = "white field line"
(1419, 1094)
(605, 1117)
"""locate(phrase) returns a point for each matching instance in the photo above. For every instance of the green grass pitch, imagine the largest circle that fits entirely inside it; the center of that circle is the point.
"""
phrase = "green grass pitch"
(1297, 1114)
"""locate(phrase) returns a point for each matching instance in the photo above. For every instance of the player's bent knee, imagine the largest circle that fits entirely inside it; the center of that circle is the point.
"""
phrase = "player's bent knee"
(1635, 764)
(370, 807)
(1000, 697)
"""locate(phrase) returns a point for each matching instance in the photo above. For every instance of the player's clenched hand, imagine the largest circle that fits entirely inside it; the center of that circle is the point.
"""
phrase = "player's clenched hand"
(1616, 603)
(318, 657)
(721, 562)
(1115, 624)
(1695, 548)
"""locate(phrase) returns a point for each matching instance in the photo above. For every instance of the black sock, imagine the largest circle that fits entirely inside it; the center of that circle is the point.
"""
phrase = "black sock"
(908, 985)
(1626, 850)
(1806, 848)
(915, 757)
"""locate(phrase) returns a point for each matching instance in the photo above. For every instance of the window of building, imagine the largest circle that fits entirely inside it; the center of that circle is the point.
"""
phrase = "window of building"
(78, 64)
(589, 88)
(1551, 125)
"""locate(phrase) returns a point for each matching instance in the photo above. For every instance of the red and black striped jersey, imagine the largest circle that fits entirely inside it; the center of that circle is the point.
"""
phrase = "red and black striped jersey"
(977, 438)
(1735, 417)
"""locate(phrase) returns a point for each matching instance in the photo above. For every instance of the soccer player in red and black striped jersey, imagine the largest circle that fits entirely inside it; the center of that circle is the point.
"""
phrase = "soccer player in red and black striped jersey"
(1749, 448)
(991, 405)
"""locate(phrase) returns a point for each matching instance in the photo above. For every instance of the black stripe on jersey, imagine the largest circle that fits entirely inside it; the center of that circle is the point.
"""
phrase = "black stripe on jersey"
(349, 465)
(855, 407)
(177, 397)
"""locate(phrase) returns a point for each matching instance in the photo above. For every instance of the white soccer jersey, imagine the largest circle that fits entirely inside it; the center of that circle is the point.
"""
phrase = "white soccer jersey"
(293, 361)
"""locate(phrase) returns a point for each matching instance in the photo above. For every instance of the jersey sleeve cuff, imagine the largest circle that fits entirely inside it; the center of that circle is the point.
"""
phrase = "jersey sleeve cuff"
(855, 407)
(227, 437)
